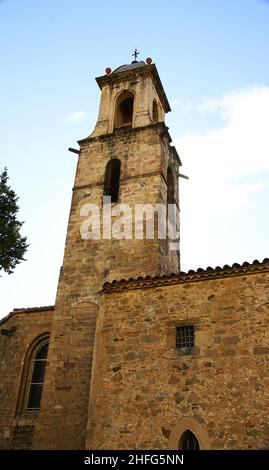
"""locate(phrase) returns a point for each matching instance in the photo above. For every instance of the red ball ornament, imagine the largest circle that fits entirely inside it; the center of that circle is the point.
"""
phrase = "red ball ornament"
(108, 70)
(149, 60)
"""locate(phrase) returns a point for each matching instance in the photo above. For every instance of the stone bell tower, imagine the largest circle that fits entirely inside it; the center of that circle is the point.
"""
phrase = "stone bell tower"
(129, 159)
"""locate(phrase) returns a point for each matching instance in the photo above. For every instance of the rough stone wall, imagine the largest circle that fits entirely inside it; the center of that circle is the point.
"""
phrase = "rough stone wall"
(87, 265)
(17, 431)
(143, 388)
(170, 259)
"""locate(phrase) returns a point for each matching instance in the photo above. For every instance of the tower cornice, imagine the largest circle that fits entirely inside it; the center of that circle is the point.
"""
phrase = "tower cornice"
(164, 130)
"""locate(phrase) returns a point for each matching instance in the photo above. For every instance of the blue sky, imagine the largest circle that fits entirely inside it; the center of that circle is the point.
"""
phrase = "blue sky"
(212, 58)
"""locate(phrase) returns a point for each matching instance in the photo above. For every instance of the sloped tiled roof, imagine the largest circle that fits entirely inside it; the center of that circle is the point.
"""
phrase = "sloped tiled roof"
(33, 309)
(26, 310)
(191, 276)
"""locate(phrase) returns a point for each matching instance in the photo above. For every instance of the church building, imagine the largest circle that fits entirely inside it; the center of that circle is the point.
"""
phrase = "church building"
(136, 354)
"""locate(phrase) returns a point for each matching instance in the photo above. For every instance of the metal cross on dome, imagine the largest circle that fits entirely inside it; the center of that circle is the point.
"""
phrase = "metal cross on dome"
(135, 54)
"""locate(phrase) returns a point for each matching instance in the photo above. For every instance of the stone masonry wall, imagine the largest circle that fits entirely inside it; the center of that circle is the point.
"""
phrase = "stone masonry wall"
(17, 431)
(87, 265)
(143, 388)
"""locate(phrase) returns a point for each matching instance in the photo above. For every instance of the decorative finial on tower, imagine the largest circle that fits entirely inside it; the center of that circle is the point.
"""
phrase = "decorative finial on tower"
(135, 54)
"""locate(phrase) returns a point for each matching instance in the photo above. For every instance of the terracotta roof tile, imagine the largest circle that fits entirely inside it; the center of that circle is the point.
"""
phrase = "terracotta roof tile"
(191, 276)
(25, 310)
(33, 309)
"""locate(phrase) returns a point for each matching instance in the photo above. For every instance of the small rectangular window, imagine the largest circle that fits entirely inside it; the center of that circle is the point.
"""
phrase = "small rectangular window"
(185, 336)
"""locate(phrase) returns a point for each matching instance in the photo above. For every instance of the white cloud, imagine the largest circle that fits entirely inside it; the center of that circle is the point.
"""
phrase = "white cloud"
(75, 117)
(183, 107)
(239, 147)
(226, 167)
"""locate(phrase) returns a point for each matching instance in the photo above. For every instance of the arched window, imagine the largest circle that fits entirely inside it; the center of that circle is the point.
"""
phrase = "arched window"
(124, 110)
(37, 377)
(188, 433)
(33, 375)
(112, 179)
(188, 441)
(155, 111)
(170, 186)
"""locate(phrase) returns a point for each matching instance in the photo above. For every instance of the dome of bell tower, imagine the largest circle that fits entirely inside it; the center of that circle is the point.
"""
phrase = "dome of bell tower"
(134, 65)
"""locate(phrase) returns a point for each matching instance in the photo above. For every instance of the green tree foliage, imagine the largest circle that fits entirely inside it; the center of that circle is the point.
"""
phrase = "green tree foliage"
(12, 245)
